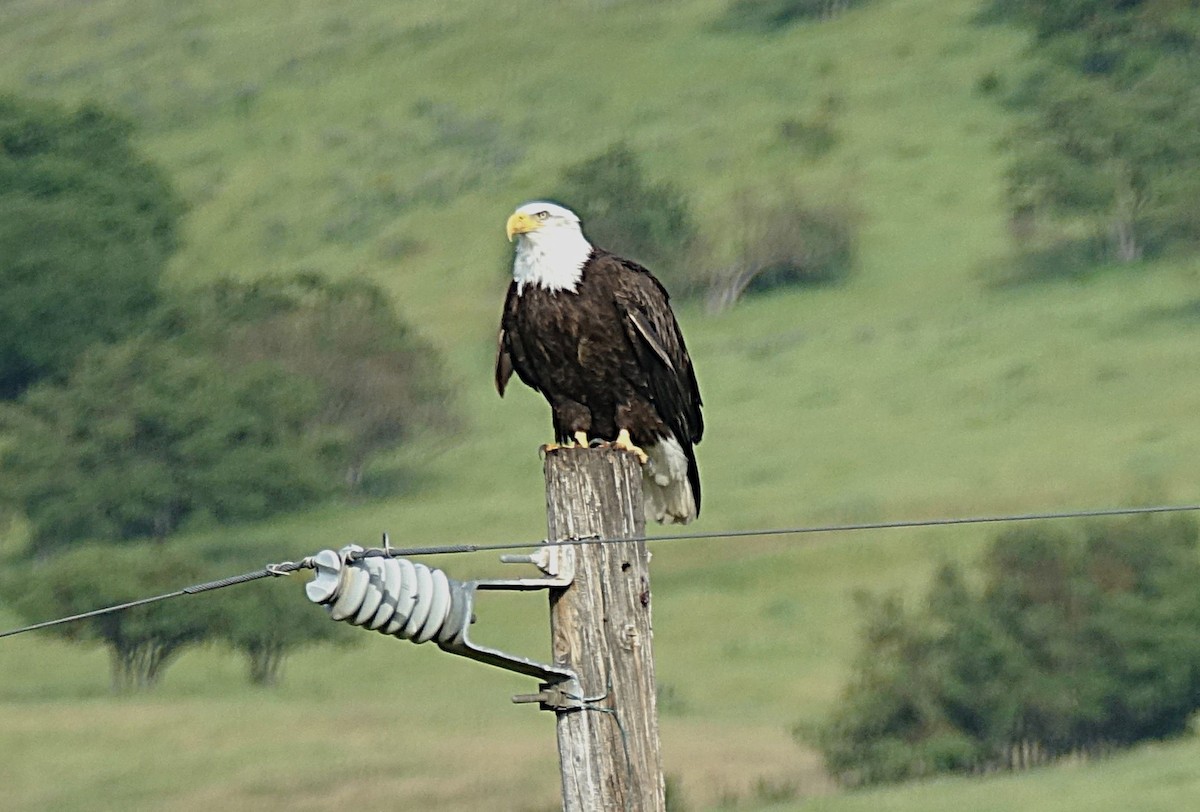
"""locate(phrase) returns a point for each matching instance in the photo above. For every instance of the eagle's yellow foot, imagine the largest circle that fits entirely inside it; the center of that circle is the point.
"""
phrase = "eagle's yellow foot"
(625, 443)
(580, 441)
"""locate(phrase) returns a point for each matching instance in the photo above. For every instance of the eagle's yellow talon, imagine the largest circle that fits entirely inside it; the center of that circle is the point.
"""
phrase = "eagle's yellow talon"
(580, 440)
(625, 443)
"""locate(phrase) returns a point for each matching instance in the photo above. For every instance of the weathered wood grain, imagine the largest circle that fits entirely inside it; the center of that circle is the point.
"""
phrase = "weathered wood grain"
(600, 627)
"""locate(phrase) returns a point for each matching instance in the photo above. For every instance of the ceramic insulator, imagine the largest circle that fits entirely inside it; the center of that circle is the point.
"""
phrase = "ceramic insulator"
(390, 595)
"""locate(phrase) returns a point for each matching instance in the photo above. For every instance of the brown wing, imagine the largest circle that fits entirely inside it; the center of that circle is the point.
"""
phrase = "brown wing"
(652, 329)
(511, 355)
(504, 367)
(504, 364)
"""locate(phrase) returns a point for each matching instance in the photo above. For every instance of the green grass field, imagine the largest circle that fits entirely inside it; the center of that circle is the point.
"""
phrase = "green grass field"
(390, 141)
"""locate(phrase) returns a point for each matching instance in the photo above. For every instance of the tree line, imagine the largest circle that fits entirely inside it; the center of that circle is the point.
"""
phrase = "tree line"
(1106, 157)
(130, 410)
(1067, 642)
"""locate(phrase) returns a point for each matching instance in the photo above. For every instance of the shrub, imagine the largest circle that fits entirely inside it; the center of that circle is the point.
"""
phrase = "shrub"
(265, 621)
(814, 137)
(269, 621)
(377, 383)
(1077, 642)
(779, 242)
(142, 641)
(783, 243)
(143, 437)
(86, 227)
(1107, 136)
(772, 15)
(626, 213)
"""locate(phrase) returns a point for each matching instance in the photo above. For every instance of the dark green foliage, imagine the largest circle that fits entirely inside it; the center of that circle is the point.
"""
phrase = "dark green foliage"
(890, 725)
(772, 15)
(268, 621)
(623, 212)
(244, 400)
(1062, 259)
(86, 225)
(1105, 35)
(1076, 642)
(376, 382)
(142, 641)
(1110, 138)
(781, 243)
(143, 437)
(265, 620)
(989, 83)
(813, 136)
(1127, 159)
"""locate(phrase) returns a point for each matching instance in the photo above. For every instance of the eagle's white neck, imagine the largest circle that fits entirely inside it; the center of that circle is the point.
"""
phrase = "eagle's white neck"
(551, 258)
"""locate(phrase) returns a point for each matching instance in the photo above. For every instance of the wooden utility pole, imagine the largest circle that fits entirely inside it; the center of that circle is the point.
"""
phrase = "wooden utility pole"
(600, 627)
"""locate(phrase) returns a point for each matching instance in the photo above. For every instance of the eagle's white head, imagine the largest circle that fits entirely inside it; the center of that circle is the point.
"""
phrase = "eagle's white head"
(551, 248)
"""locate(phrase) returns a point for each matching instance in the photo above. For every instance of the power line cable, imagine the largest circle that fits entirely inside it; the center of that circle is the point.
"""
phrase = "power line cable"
(793, 531)
(266, 572)
(288, 567)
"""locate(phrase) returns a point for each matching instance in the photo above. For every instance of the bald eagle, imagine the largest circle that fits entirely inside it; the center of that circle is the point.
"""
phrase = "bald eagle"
(594, 333)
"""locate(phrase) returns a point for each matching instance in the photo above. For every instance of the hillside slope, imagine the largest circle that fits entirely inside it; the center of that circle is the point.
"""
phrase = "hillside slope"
(391, 140)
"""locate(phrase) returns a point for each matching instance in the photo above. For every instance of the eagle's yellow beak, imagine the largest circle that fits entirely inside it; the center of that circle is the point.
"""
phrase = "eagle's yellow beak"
(520, 223)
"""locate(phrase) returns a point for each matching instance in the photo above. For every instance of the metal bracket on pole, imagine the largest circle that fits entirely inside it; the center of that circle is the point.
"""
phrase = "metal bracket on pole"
(415, 602)
(557, 696)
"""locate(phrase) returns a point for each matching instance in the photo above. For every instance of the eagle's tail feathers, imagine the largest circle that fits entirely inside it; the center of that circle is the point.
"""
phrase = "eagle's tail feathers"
(666, 485)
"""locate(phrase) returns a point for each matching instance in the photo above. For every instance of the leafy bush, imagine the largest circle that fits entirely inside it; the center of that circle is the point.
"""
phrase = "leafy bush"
(814, 136)
(245, 399)
(141, 641)
(783, 243)
(143, 437)
(1108, 138)
(772, 15)
(86, 226)
(1050, 259)
(264, 621)
(376, 382)
(1077, 642)
(270, 620)
(778, 243)
(624, 212)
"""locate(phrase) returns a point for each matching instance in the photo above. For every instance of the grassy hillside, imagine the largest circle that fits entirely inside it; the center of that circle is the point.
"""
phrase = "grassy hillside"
(391, 140)
(1153, 778)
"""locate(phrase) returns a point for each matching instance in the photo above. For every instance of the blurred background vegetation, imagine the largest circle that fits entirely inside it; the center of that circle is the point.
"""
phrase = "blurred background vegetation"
(932, 258)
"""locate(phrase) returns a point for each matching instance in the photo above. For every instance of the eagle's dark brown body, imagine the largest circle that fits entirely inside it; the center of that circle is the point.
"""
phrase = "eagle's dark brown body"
(608, 355)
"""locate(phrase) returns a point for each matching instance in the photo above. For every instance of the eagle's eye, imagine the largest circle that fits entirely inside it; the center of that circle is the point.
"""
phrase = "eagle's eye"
(542, 215)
